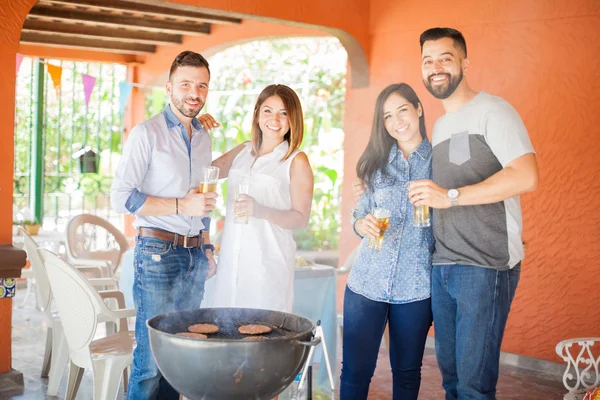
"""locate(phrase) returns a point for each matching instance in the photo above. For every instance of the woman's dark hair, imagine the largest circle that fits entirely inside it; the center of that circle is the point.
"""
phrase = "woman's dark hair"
(376, 155)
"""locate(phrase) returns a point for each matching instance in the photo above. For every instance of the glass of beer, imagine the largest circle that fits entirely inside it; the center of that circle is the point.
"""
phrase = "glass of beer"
(242, 187)
(421, 217)
(383, 222)
(209, 176)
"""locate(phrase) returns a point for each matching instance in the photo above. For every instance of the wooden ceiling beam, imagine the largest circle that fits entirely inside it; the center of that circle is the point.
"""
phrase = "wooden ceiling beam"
(147, 9)
(103, 19)
(85, 43)
(99, 32)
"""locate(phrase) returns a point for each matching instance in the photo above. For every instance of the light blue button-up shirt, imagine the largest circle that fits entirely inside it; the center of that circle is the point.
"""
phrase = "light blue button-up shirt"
(401, 271)
(160, 160)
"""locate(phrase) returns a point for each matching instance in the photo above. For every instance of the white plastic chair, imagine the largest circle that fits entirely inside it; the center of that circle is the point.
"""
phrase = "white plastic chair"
(94, 241)
(56, 354)
(81, 309)
(27, 274)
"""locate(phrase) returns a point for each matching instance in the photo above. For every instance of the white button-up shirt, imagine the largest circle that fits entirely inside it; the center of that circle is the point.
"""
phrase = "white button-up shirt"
(159, 160)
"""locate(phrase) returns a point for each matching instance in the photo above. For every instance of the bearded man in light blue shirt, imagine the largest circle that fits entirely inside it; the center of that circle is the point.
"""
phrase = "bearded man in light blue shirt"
(157, 180)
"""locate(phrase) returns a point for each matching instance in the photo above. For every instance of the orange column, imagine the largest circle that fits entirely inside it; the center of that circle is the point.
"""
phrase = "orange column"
(13, 260)
(5, 334)
(11, 21)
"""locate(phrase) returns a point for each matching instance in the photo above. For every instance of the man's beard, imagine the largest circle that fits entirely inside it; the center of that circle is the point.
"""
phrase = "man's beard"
(182, 107)
(444, 91)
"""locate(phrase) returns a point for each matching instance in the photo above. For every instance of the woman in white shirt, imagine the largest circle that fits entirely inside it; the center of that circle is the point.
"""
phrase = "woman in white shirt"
(257, 259)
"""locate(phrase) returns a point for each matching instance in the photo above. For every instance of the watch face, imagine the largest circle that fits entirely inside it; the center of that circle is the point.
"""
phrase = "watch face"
(452, 193)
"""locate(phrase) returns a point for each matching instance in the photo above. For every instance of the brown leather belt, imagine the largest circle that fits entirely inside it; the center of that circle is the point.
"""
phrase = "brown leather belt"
(180, 240)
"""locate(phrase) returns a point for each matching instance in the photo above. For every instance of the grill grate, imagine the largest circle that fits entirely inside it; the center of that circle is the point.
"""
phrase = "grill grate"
(229, 330)
(277, 332)
(284, 326)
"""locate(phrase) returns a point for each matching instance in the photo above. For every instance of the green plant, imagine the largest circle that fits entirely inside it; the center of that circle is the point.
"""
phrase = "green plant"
(323, 228)
(26, 222)
(68, 125)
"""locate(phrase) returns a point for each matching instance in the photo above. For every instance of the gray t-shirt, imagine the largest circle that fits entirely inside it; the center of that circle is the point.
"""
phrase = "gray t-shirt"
(469, 146)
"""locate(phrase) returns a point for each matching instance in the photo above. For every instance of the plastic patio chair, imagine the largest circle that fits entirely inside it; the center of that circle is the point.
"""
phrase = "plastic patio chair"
(81, 309)
(56, 353)
(94, 241)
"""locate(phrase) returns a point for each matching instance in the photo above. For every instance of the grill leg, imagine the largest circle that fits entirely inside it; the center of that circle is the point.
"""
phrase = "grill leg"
(309, 383)
(318, 334)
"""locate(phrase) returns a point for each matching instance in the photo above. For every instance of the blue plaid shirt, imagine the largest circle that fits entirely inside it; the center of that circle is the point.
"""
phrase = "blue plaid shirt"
(401, 271)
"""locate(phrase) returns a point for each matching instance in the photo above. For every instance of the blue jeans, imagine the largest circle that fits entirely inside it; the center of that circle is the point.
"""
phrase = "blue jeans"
(364, 324)
(470, 308)
(167, 279)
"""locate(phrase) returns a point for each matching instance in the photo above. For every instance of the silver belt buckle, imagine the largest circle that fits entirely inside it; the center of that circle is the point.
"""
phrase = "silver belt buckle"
(185, 242)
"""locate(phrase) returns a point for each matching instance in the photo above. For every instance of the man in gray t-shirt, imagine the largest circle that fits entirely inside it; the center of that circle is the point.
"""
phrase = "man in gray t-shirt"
(482, 161)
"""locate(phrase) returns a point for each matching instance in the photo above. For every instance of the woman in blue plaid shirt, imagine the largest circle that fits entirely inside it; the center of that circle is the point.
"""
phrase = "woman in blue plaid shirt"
(391, 285)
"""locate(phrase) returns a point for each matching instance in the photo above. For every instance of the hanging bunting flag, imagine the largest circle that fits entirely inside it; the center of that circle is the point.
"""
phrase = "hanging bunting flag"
(19, 61)
(55, 73)
(88, 85)
(124, 93)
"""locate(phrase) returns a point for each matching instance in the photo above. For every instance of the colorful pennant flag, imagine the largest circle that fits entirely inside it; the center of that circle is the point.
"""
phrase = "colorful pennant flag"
(19, 61)
(124, 93)
(55, 73)
(88, 85)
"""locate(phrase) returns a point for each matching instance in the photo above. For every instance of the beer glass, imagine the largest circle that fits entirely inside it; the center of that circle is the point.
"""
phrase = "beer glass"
(421, 216)
(242, 187)
(383, 222)
(209, 176)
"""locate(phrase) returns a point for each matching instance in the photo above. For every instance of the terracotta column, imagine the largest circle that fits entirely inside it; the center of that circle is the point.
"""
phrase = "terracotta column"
(13, 259)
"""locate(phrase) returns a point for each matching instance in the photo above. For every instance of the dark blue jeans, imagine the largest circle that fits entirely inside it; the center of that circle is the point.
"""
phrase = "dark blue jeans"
(364, 324)
(470, 308)
(167, 279)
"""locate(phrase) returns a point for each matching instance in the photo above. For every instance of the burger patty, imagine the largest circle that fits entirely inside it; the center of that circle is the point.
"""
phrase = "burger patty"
(207, 329)
(254, 329)
(192, 335)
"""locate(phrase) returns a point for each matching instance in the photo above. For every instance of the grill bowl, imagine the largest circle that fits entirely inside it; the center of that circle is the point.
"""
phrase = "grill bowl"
(223, 366)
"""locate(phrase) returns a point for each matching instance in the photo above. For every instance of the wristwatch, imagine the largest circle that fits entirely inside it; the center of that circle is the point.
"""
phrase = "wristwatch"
(452, 195)
(208, 246)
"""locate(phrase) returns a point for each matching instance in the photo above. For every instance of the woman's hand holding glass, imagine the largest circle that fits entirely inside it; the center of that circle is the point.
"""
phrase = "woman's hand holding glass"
(367, 226)
(246, 206)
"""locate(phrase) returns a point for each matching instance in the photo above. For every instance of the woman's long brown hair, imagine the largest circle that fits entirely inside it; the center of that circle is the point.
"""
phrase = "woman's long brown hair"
(376, 155)
(293, 108)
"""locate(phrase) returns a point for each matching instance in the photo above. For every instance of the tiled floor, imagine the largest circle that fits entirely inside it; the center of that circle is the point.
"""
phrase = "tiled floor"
(29, 334)
(514, 383)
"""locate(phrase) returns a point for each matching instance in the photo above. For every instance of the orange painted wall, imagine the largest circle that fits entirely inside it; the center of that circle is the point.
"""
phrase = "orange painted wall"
(349, 16)
(543, 58)
(75, 54)
(155, 67)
